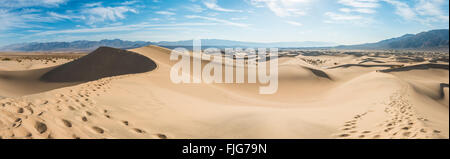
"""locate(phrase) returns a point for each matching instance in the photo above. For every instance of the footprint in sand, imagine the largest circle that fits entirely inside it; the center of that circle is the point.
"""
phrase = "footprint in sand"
(67, 123)
(344, 135)
(40, 127)
(30, 109)
(75, 136)
(17, 123)
(406, 134)
(71, 108)
(98, 130)
(20, 110)
(161, 136)
(140, 131)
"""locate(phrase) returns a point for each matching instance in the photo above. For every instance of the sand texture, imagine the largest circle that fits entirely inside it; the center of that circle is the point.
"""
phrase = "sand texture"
(112, 93)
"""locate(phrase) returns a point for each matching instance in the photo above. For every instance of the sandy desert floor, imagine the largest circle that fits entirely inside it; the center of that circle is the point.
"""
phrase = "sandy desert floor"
(321, 94)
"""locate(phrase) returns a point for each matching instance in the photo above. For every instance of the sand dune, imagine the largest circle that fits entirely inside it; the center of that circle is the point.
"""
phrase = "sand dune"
(103, 62)
(313, 100)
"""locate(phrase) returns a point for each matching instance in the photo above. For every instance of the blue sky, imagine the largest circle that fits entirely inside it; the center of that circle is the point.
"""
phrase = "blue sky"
(339, 21)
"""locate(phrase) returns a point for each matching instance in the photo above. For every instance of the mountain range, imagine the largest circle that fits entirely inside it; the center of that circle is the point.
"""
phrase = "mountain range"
(117, 43)
(425, 40)
(433, 39)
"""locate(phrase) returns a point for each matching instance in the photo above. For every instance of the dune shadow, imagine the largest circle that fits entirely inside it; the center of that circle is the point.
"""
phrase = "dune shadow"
(362, 65)
(101, 63)
(319, 73)
(442, 86)
(416, 67)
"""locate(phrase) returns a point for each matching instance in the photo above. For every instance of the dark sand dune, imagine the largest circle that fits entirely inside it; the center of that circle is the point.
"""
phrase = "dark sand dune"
(361, 65)
(318, 73)
(442, 86)
(103, 62)
(417, 67)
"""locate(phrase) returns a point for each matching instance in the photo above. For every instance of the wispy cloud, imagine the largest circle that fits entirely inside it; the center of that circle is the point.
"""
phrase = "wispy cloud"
(129, 2)
(360, 3)
(165, 13)
(294, 23)
(338, 18)
(425, 11)
(101, 14)
(22, 19)
(432, 8)
(239, 18)
(212, 4)
(226, 22)
(402, 9)
(58, 16)
(195, 8)
(120, 28)
(359, 10)
(359, 6)
(95, 4)
(30, 3)
(282, 8)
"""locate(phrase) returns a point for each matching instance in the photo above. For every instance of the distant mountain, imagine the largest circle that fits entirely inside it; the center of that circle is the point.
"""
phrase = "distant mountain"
(117, 43)
(230, 43)
(82, 45)
(434, 39)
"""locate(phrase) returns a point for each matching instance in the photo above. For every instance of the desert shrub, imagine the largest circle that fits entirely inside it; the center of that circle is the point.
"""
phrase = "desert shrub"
(397, 66)
(6, 59)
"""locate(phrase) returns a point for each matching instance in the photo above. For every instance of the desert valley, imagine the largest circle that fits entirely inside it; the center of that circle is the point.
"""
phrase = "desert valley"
(225, 69)
(113, 93)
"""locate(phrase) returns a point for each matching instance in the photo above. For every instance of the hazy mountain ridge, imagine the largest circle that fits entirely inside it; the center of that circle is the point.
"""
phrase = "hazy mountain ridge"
(82, 45)
(231, 43)
(117, 43)
(432, 39)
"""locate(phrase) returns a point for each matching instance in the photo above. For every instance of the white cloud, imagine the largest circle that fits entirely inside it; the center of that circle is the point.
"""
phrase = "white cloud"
(338, 18)
(132, 27)
(359, 6)
(425, 11)
(212, 4)
(195, 8)
(30, 3)
(432, 8)
(402, 9)
(165, 13)
(96, 4)
(58, 16)
(11, 20)
(240, 18)
(129, 2)
(341, 17)
(360, 3)
(283, 8)
(359, 10)
(294, 23)
(226, 22)
(101, 14)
